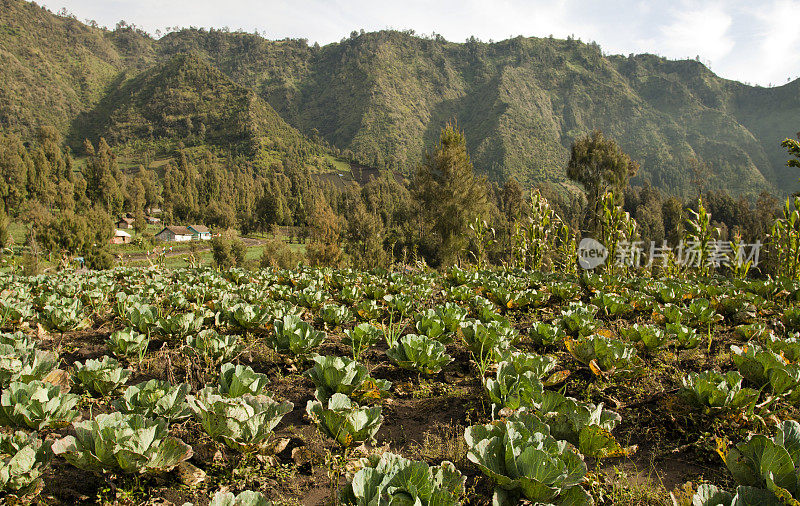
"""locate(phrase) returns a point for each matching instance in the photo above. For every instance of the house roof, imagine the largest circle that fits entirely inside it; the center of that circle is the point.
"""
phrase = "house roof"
(126, 220)
(121, 233)
(177, 230)
(200, 229)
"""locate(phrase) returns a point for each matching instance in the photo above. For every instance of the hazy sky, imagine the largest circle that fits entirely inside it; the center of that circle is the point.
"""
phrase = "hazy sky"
(750, 41)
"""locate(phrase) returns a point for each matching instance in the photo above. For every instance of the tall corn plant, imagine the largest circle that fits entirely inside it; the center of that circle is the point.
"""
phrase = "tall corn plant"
(739, 264)
(785, 240)
(484, 239)
(541, 233)
(700, 238)
(566, 258)
(617, 229)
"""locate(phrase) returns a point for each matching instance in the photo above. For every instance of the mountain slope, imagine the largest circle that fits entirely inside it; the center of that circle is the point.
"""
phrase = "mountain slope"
(384, 97)
(186, 99)
(521, 103)
(53, 68)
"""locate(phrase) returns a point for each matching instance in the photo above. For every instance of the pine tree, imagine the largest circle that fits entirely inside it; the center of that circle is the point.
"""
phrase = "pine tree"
(600, 165)
(449, 196)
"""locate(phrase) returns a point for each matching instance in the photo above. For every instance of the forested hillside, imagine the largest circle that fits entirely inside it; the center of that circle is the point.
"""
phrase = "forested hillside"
(382, 97)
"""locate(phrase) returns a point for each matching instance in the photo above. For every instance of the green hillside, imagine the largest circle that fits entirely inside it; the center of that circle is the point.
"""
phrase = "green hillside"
(382, 97)
(186, 99)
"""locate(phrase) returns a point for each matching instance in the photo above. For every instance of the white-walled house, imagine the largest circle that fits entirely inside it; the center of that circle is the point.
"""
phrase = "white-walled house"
(175, 233)
(120, 237)
(201, 232)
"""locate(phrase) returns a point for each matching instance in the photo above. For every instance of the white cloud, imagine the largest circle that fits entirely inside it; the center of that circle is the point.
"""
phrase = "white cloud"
(779, 42)
(690, 32)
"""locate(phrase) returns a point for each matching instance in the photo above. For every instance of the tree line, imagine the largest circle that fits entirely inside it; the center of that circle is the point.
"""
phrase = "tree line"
(444, 214)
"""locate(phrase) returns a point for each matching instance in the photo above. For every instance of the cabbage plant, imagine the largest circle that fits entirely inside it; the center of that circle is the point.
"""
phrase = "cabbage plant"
(711, 495)
(101, 376)
(702, 312)
(762, 366)
(362, 337)
(37, 405)
(129, 343)
(242, 423)
(399, 303)
(524, 460)
(578, 318)
(22, 460)
(180, 325)
(142, 317)
(766, 469)
(585, 425)
(122, 443)
(672, 313)
(239, 380)
(451, 315)
(344, 420)
(512, 389)
(788, 348)
(685, 337)
(429, 324)
(612, 304)
(14, 312)
(248, 316)
(22, 362)
(565, 290)
(215, 347)
(244, 498)
(602, 354)
(334, 314)
(539, 365)
(652, 336)
(487, 341)
(293, 335)
(544, 334)
(392, 479)
(713, 391)
(368, 310)
(342, 375)
(420, 353)
(63, 316)
(156, 398)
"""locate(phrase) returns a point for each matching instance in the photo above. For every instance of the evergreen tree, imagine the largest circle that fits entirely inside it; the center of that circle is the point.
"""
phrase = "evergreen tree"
(449, 196)
(5, 237)
(103, 177)
(600, 165)
(14, 162)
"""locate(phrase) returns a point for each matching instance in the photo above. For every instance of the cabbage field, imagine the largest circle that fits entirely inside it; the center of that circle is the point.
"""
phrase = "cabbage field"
(323, 386)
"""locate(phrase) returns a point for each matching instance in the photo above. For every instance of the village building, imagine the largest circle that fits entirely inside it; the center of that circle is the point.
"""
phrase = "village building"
(174, 233)
(200, 232)
(120, 237)
(125, 223)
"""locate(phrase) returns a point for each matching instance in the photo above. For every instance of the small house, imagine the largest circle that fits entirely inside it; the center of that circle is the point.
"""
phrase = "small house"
(125, 222)
(152, 220)
(200, 232)
(175, 233)
(120, 237)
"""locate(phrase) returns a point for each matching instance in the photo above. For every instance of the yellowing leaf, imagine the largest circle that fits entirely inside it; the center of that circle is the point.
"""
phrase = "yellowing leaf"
(556, 378)
(595, 368)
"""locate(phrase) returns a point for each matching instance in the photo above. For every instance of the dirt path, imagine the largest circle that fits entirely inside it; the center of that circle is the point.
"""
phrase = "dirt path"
(136, 257)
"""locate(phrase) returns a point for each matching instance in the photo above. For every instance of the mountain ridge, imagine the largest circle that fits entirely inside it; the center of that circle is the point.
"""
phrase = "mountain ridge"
(381, 97)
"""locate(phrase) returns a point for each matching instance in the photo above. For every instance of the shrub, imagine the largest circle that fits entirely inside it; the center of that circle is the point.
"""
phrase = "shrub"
(279, 255)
